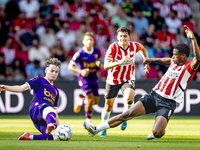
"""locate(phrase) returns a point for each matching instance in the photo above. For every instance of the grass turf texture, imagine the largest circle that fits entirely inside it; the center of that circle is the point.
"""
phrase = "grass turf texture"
(182, 133)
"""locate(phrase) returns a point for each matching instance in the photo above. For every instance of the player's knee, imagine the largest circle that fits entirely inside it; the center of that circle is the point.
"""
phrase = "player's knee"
(48, 110)
(95, 101)
(90, 100)
(158, 133)
(108, 108)
(129, 101)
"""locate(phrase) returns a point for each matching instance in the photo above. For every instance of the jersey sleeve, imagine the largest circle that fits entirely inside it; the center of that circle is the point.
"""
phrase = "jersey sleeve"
(110, 54)
(76, 58)
(34, 82)
(138, 46)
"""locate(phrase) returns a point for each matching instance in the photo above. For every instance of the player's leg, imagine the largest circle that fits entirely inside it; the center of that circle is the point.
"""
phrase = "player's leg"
(40, 124)
(87, 89)
(88, 107)
(83, 101)
(79, 103)
(92, 99)
(43, 136)
(158, 128)
(96, 100)
(49, 115)
(110, 94)
(95, 91)
(128, 90)
(136, 110)
(162, 117)
(105, 114)
(145, 105)
(165, 111)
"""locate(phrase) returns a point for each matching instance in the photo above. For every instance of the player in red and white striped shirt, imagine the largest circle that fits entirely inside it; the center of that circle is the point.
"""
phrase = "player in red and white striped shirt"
(162, 100)
(121, 75)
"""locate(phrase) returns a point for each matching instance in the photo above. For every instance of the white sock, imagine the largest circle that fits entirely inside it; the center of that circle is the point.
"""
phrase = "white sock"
(31, 137)
(88, 120)
(81, 101)
(127, 106)
(103, 126)
(105, 115)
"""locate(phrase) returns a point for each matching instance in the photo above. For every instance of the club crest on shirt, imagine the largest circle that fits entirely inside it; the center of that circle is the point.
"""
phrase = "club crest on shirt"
(96, 56)
(131, 53)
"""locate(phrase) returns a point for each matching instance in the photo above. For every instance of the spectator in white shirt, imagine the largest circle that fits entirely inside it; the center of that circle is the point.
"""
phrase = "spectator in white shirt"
(31, 7)
(67, 36)
(173, 22)
(38, 52)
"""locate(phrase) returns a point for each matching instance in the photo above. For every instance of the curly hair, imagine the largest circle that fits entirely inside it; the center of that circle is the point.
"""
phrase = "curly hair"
(53, 61)
(183, 48)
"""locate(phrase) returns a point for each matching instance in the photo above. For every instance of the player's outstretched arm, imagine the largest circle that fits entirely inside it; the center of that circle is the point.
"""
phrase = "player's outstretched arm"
(144, 54)
(196, 59)
(15, 88)
(164, 61)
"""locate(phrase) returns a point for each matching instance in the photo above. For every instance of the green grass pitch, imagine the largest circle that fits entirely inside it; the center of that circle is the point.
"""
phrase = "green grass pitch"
(182, 133)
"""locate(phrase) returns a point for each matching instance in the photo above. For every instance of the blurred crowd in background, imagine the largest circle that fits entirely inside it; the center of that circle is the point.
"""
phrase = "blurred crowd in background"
(33, 30)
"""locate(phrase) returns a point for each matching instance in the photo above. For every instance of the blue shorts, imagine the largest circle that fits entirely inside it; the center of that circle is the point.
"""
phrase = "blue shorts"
(153, 102)
(36, 115)
(90, 88)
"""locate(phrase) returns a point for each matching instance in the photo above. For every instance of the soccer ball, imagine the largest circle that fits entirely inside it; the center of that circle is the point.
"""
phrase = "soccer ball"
(64, 132)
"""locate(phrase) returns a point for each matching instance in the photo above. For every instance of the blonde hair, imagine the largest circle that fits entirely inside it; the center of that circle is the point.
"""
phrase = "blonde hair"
(53, 61)
(88, 34)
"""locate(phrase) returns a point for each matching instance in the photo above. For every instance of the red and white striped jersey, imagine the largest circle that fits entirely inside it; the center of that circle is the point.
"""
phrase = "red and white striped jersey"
(174, 82)
(122, 73)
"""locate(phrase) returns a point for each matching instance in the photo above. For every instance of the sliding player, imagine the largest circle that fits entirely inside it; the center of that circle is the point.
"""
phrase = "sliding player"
(162, 99)
(43, 109)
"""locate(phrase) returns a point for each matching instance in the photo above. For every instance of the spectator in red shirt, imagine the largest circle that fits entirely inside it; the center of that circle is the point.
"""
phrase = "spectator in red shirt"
(182, 8)
(94, 5)
(184, 13)
(100, 38)
(79, 10)
(23, 24)
(62, 8)
(167, 38)
(104, 20)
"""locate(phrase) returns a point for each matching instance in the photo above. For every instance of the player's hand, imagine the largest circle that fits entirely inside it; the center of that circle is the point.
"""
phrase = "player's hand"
(98, 63)
(188, 32)
(147, 61)
(146, 68)
(85, 72)
(124, 60)
(2, 88)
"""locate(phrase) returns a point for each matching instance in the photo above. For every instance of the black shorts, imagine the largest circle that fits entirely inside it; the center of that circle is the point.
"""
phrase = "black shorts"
(112, 90)
(153, 102)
